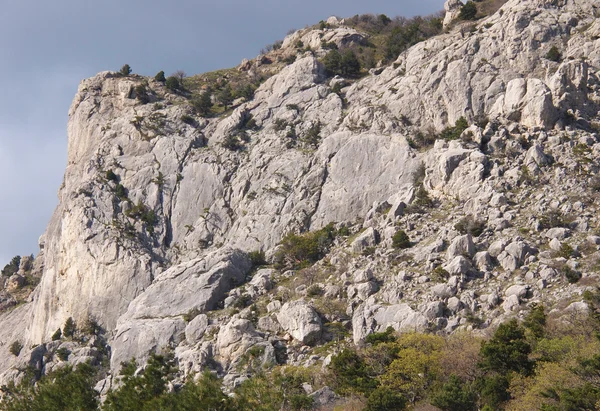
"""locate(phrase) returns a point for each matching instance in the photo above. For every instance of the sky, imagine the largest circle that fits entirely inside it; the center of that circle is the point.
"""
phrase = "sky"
(47, 48)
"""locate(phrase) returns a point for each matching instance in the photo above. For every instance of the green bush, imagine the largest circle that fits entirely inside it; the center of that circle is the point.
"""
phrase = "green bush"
(63, 389)
(386, 336)
(57, 335)
(508, 350)
(257, 258)
(400, 240)
(535, 321)
(225, 96)
(315, 291)
(350, 374)
(12, 267)
(160, 76)
(15, 348)
(385, 399)
(203, 103)
(344, 64)
(468, 11)
(301, 250)
(470, 225)
(69, 328)
(571, 275)
(141, 93)
(454, 395)
(111, 176)
(121, 192)
(187, 119)
(172, 83)
(553, 54)
(554, 218)
(63, 354)
(453, 133)
(125, 70)
(143, 213)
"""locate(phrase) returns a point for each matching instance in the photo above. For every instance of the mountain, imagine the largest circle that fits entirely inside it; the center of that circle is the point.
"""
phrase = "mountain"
(479, 144)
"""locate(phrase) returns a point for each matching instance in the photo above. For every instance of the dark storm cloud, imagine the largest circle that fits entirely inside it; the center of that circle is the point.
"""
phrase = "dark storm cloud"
(46, 48)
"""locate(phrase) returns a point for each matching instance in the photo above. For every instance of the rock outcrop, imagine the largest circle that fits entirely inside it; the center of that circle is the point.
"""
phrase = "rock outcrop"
(160, 206)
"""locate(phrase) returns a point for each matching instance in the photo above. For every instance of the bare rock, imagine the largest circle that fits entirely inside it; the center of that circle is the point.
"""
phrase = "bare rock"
(461, 246)
(300, 320)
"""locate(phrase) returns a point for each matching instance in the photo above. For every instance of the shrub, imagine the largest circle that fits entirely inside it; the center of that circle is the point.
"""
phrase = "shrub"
(125, 70)
(554, 218)
(15, 348)
(187, 119)
(553, 54)
(63, 389)
(453, 133)
(313, 135)
(232, 142)
(400, 240)
(383, 399)
(571, 275)
(121, 192)
(111, 176)
(225, 96)
(300, 250)
(468, 11)
(141, 93)
(143, 213)
(507, 350)
(535, 321)
(454, 395)
(203, 103)
(63, 354)
(344, 64)
(566, 251)
(469, 225)
(172, 83)
(349, 64)
(160, 76)
(57, 335)
(91, 327)
(350, 374)
(69, 328)
(315, 291)
(332, 62)
(439, 275)
(386, 336)
(12, 267)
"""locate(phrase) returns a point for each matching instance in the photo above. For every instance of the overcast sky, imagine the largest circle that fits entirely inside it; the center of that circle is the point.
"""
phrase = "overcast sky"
(47, 48)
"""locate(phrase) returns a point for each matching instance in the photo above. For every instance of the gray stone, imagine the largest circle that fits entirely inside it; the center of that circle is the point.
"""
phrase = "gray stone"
(195, 329)
(301, 321)
(461, 246)
(458, 266)
(369, 238)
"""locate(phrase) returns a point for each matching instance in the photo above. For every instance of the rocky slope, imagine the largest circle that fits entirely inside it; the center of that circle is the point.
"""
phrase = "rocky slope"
(157, 213)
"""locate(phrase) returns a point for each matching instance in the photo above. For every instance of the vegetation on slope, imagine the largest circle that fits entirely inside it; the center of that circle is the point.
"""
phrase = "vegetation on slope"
(542, 363)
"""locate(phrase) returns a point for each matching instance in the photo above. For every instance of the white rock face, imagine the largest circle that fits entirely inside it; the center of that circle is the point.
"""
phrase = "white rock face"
(154, 319)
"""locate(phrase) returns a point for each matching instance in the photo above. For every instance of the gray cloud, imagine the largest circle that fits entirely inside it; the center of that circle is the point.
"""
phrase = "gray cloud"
(48, 47)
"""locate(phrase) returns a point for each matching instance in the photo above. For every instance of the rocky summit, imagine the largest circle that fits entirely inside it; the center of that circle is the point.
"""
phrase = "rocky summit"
(447, 189)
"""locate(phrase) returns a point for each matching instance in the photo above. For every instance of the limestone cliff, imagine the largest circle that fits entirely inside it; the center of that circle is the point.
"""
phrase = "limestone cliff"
(157, 212)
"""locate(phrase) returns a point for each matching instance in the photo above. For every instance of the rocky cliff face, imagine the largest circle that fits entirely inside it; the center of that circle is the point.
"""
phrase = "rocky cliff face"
(156, 213)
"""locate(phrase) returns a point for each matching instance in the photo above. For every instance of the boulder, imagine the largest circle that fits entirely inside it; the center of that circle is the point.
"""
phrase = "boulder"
(301, 321)
(368, 238)
(461, 246)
